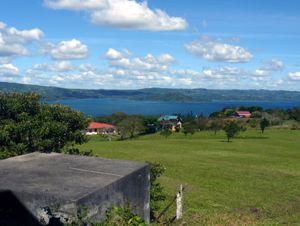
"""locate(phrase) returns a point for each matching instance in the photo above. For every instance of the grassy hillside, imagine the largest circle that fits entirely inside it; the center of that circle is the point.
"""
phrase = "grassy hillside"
(253, 180)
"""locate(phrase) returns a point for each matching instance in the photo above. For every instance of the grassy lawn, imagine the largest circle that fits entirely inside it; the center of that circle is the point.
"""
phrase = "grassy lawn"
(252, 180)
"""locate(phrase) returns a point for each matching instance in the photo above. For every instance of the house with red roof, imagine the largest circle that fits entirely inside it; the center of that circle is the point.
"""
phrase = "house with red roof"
(96, 127)
(240, 114)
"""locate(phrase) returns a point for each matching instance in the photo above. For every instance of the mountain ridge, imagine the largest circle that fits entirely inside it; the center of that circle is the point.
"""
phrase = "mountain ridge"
(52, 93)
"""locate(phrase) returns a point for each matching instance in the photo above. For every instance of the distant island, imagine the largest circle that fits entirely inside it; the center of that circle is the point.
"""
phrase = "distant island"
(50, 93)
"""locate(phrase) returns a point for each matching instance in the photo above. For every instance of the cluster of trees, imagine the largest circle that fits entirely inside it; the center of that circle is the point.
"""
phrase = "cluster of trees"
(26, 125)
(259, 112)
(128, 125)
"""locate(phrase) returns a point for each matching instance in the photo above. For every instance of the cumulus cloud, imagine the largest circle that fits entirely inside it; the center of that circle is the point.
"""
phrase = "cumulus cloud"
(294, 76)
(186, 73)
(12, 41)
(272, 65)
(8, 70)
(113, 55)
(204, 24)
(14, 36)
(60, 67)
(127, 53)
(66, 50)
(216, 51)
(122, 14)
(225, 72)
(148, 63)
(87, 67)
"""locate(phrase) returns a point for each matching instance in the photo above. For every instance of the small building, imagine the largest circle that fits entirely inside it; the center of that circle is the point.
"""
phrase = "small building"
(241, 114)
(170, 121)
(96, 127)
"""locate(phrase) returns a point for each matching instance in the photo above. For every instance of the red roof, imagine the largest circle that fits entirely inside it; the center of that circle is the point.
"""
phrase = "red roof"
(243, 112)
(96, 125)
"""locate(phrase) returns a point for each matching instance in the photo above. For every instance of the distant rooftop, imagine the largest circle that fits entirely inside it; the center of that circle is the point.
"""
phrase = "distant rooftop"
(168, 117)
(96, 125)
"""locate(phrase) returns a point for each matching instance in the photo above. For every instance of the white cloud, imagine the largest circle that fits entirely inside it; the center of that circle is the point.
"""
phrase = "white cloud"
(87, 67)
(204, 24)
(273, 65)
(260, 73)
(149, 63)
(66, 50)
(186, 73)
(8, 70)
(13, 36)
(76, 4)
(12, 41)
(225, 72)
(294, 76)
(123, 14)
(113, 55)
(216, 51)
(127, 52)
(61, 67)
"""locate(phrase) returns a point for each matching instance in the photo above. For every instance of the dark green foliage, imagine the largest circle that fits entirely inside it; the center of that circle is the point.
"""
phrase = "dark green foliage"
(76, 151)
(166, 132)
(156, 190)
(113, 119)
(28, 126)
(215, 114)
(188, 128)
(231, 129)
(150, 124)
(264, 123)
(251, 109)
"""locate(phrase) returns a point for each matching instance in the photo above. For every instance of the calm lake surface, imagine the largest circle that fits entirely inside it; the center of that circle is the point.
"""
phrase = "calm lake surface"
(100, 107)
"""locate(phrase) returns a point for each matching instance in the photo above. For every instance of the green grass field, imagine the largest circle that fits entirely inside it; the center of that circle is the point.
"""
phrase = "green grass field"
(252, 180)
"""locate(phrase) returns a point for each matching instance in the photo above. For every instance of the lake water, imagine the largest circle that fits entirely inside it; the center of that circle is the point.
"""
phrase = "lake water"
(100, 107)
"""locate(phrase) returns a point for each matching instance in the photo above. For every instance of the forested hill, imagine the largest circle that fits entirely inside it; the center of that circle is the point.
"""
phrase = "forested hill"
(152, 94)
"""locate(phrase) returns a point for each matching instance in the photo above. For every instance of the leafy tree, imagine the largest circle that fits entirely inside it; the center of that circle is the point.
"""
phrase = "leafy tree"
(264, 123)
(202, 123)
(166, 132)
(231, 129)
(215, 114)
(129, 125)
(188, 128)
(28, 126)
(112, 119)
(150, 124)
(215, 127)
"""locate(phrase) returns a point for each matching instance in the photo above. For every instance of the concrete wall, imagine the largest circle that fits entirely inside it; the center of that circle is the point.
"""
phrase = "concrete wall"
(38, 180)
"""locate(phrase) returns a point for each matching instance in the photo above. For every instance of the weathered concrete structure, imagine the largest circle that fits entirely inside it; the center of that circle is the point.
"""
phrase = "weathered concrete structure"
(38, 180)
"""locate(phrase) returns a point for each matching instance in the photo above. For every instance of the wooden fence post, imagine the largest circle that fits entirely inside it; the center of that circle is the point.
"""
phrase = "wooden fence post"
(179, 204)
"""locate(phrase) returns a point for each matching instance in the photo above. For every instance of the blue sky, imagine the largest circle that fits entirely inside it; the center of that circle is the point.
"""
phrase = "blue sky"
(132, 44)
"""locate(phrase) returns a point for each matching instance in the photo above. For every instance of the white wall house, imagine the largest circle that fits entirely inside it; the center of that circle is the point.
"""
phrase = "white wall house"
(96, 127)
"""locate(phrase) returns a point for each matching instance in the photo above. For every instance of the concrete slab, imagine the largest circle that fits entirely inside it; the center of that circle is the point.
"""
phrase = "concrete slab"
(38, 180)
